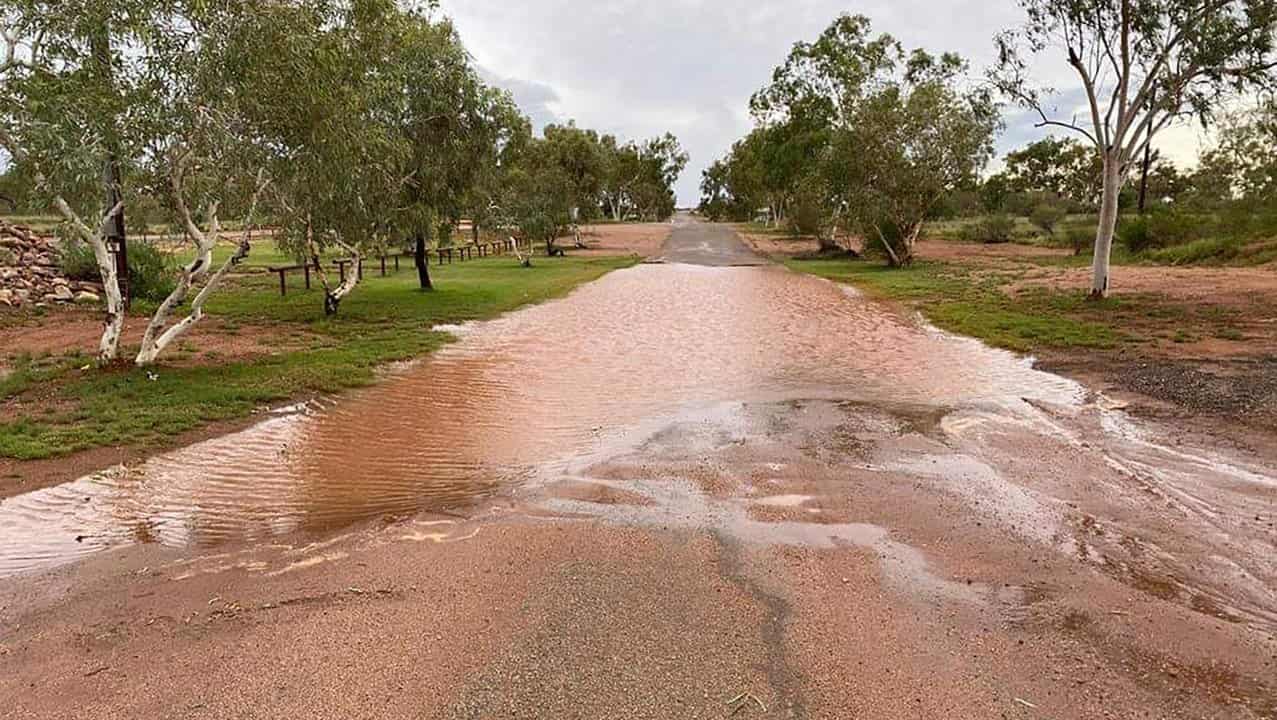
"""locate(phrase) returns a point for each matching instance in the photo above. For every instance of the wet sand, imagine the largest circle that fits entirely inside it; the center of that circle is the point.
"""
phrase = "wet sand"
(680, 486)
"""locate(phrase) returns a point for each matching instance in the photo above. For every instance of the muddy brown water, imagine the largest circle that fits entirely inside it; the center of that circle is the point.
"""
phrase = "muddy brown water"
(710, 352)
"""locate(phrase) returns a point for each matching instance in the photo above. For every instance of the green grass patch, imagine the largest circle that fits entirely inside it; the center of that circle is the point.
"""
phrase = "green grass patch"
(383, 320)
(1214, 251)
(955, 299)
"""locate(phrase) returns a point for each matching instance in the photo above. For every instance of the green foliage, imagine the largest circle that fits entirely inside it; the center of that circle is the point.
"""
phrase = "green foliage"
(78, 262)
(1047, 216)
(872, 138)
(151, 271)
(1079, 237)
(1159, 228)
(991, 229)
(1243, 163)
(1059, 167)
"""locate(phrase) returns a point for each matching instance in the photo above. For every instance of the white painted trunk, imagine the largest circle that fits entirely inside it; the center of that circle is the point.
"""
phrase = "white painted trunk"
(333, 297)
(1112, 188)
(113, 324)
(525, 261)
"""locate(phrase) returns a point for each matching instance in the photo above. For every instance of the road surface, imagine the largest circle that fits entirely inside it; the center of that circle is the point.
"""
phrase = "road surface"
(702, 488)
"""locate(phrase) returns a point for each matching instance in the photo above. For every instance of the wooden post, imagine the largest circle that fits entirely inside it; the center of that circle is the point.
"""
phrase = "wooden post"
(383, 266)
(283, 289)
(306, 270)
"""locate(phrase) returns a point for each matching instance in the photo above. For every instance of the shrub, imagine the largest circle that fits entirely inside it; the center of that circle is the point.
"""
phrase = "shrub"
(78, 262)
(1080, 237)
(990, 229)
(150, 270)
(1047, 216)
(1162, 227)
(1136, 234)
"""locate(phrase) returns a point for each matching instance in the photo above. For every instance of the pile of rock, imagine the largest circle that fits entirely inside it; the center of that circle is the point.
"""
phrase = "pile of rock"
(30, 273)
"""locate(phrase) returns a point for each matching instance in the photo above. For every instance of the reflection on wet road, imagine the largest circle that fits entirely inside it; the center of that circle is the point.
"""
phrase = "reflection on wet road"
(620, 385)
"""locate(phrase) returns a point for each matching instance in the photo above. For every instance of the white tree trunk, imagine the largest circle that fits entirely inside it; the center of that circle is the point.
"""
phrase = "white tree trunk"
(113, 325)
(525, 261)
(1112, 188)
(333, 297)
(108, 346)
(153, 344)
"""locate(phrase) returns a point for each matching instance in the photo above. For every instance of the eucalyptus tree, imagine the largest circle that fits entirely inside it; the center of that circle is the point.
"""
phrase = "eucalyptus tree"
(76, 90)
(1142, 65)
(453, 125)
(880, 136)
(620, 170)
(201, 147)
(326, 97)
(539, 193)
(658, 163)
(1242, 164)
(1062, 167)
(811, 95)
(917, 136)
(732, 187)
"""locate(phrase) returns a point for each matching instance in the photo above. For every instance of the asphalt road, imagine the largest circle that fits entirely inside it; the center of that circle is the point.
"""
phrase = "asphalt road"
(698, 243)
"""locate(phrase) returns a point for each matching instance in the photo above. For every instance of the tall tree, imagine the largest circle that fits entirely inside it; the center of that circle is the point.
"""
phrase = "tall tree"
(76, 87)
(1142, 65)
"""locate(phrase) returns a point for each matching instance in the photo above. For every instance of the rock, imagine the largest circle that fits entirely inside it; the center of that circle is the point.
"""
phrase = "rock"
(84, 296)
(63, 293)
(6, 297)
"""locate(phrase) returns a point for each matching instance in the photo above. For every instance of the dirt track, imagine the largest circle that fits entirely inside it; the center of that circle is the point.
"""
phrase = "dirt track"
(668, 495)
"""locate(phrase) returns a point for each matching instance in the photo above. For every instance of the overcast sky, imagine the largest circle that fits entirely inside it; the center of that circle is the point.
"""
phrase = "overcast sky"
(637, 68)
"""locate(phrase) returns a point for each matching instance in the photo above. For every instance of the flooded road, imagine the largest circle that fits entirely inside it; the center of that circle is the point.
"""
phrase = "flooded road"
(771, 444)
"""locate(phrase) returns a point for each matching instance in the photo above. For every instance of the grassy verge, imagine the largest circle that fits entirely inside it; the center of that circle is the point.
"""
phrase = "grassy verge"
(66, 409)
(978, 303)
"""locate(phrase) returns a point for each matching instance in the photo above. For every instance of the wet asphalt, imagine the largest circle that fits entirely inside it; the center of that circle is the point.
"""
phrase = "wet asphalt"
(697, 243)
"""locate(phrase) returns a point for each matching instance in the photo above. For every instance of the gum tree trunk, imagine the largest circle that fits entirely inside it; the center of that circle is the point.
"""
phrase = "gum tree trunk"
(1108, 224)
(422, 261)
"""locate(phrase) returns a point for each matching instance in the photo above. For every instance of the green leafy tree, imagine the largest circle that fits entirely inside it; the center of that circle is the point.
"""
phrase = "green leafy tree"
(918, 136)
(1142, 65)
(1243, 162)
(539, 193)
(1062, 167)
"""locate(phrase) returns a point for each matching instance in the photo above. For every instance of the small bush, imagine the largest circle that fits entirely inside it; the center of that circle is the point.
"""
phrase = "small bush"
(1080, 238)
(150, 270)
(990, 230)
(1136, 234)
(78, 262)
(1162, 227)
(1047, 216)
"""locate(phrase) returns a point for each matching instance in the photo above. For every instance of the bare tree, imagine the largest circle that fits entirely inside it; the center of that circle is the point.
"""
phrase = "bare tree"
(1142, 64)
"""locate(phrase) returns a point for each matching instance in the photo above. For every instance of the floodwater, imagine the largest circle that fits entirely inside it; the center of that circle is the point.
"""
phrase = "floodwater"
(710, 353)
